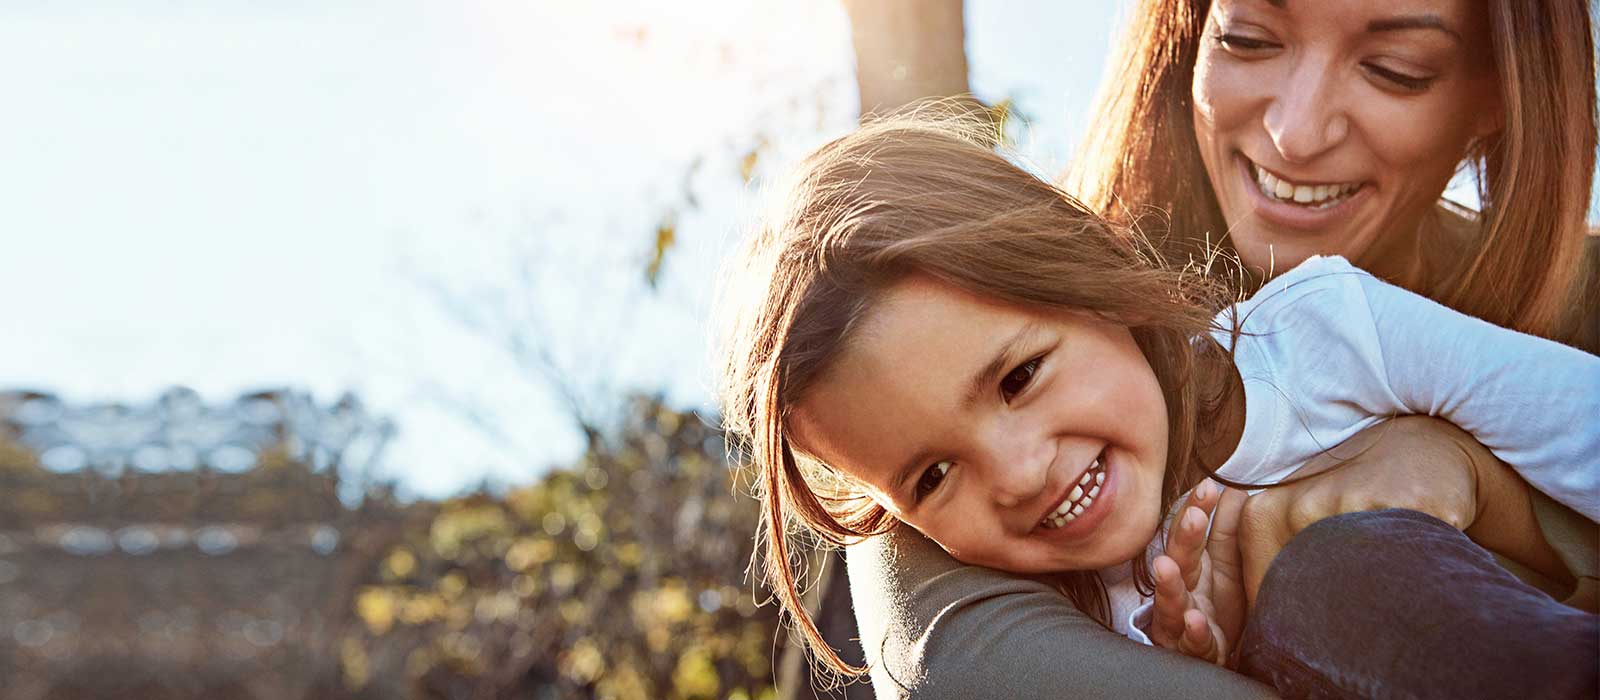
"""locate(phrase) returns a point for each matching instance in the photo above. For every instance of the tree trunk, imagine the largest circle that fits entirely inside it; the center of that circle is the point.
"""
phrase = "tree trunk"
(907, 50)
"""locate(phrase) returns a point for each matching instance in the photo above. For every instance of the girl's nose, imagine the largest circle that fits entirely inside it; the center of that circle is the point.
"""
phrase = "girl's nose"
(1017, 471)
(1304, 118)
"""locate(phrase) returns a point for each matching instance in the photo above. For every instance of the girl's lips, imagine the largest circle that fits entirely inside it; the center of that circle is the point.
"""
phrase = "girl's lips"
(1097, 511)
(1294, 216)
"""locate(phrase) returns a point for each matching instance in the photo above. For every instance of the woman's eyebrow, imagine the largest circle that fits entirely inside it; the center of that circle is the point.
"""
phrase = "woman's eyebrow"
(1394, 24)
(1409, 22)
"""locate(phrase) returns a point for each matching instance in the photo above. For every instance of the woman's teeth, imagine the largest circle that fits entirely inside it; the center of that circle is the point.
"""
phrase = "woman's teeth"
(1082, 496)
(1312, 196)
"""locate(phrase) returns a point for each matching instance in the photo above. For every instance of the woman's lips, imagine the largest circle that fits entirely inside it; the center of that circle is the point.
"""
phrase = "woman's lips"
(1296, 205)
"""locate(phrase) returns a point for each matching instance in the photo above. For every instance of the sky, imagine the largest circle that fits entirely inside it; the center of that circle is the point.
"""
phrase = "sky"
(378, 197)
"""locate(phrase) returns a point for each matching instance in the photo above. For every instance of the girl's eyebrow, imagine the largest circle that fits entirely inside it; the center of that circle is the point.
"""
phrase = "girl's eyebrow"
(990, 373)
(981, 381)
(903, 474)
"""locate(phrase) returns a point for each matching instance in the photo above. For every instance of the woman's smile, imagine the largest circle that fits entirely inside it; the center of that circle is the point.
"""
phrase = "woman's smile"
(1332, 128)
(1300, 204)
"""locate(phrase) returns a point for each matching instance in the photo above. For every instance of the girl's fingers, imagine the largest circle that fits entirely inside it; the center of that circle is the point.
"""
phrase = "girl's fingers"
(1172, 599)
(1198, 640)
(1191, 540)
(1187, 538)
(1223, 542)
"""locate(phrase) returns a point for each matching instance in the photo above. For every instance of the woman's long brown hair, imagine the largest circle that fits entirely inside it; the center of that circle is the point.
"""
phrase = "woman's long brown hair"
(1140, 162)
(928, 194)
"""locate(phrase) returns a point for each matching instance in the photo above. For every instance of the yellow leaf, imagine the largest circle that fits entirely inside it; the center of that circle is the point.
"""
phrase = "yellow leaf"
(400, 563)
(376, 607)
(666, 235)
(583, 662)
(353, 662)
(696, 675)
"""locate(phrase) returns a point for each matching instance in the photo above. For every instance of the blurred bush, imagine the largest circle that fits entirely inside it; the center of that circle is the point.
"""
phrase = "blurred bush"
(619, 576)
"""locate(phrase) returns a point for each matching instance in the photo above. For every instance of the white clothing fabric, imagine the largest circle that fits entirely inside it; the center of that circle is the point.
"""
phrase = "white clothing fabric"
(1327, 350)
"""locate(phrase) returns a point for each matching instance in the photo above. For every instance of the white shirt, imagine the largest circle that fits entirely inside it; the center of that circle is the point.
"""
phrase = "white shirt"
(1328, 350)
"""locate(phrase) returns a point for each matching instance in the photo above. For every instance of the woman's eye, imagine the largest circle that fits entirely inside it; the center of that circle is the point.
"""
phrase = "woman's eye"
(1404, 81)
(1237, 43)
(1019, 378)
(932, 478)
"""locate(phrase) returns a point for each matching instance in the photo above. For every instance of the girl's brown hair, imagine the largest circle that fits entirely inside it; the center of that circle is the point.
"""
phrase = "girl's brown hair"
(1140, 157)
(928, 194)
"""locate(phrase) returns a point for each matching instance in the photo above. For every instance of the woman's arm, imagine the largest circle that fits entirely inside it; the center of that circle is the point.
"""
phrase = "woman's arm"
(1412, 462)
(935, 628)
(1533, 402)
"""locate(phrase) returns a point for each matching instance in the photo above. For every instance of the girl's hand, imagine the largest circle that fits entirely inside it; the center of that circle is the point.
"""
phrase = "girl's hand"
(1199, 605)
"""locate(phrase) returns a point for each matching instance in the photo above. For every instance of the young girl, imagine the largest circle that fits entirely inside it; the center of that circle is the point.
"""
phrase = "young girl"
(933, 336)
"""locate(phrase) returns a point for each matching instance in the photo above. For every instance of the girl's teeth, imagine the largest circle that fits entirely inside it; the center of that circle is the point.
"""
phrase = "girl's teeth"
(1082, 497)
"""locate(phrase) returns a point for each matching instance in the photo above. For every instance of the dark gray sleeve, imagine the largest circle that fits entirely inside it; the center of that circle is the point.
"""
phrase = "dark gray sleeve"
(935, 628)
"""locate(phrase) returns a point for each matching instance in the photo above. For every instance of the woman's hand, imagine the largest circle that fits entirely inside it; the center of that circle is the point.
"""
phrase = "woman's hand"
(1413, 462)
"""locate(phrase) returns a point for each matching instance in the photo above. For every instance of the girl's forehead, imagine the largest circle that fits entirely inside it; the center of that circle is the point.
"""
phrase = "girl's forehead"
(925, 299)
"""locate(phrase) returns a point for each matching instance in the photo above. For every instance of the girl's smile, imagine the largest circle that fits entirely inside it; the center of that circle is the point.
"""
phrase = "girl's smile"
(1020, 440)
(1084, 506)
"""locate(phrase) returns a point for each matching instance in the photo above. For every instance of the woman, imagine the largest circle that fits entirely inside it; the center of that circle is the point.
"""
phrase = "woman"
(1214, 100)
(1218, 118)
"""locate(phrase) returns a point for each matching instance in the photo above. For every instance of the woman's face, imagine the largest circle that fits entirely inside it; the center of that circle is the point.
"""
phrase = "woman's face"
(1333, 126)
(1019, 441)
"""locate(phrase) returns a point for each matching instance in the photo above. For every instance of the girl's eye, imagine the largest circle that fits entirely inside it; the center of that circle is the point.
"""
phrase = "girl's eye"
(1404, 81)
(1019, 378)
(932, 478)
(1240, 44)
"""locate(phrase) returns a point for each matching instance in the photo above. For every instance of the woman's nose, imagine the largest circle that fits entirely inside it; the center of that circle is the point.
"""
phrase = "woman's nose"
(1304, 117)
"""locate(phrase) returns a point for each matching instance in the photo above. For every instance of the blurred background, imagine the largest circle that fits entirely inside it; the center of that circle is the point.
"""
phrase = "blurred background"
(362, 349)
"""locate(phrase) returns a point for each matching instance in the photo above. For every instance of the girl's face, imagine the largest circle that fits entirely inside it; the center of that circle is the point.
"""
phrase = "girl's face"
(982, 425)
(1333, 126)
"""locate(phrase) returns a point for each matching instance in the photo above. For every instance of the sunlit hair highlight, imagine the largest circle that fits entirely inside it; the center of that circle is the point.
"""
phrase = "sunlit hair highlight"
(927, 193)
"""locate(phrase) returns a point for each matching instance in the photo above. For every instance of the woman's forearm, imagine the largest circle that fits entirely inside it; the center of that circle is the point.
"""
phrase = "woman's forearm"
(1505, 522)
(1412, 462)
